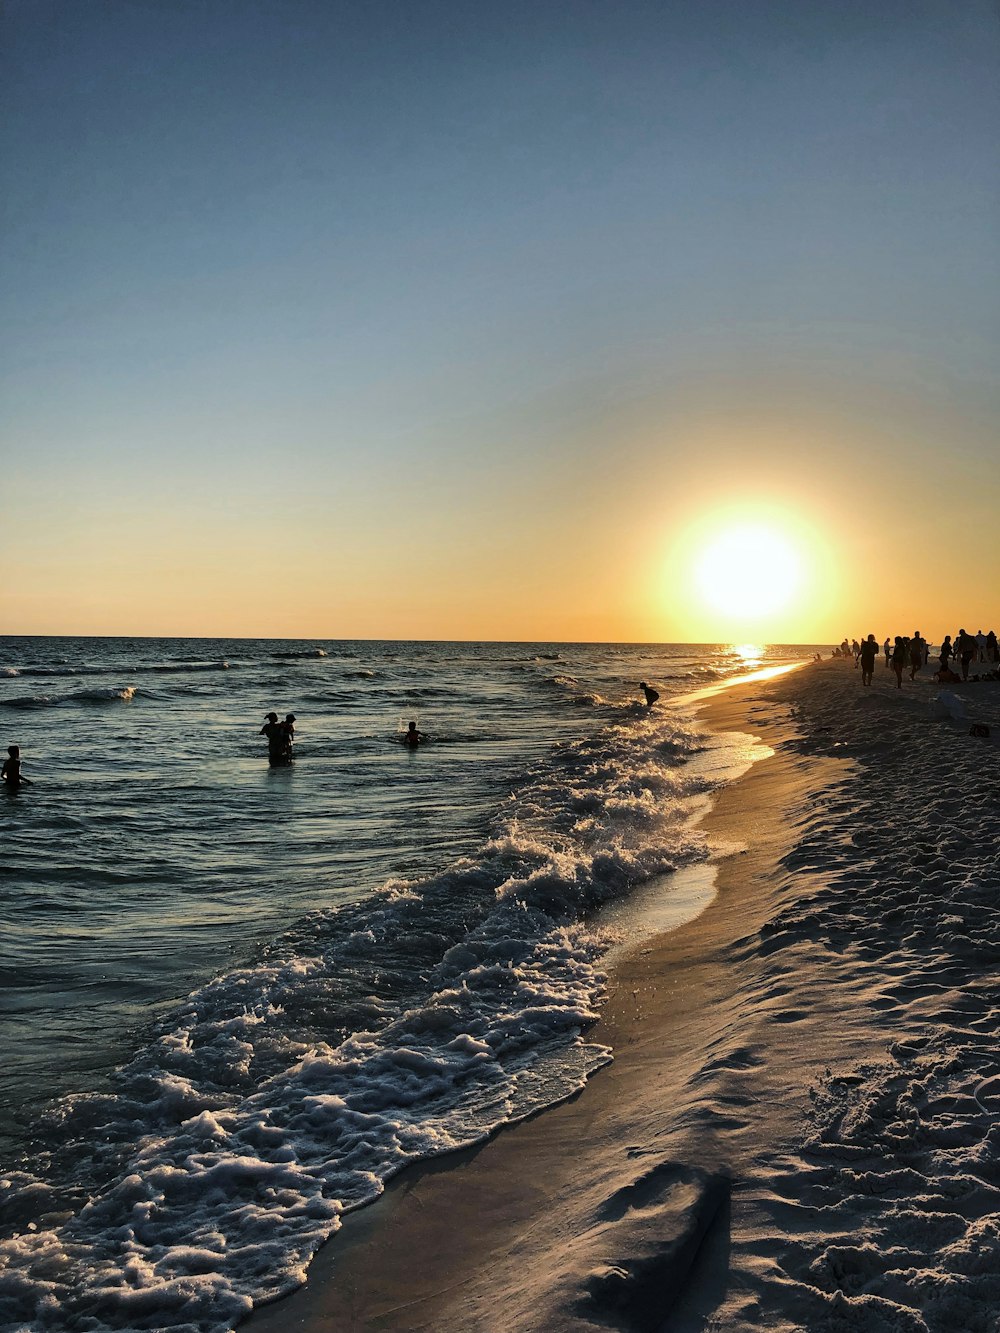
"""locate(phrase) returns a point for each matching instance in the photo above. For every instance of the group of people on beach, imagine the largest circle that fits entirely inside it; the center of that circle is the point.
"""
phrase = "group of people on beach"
(913, 651)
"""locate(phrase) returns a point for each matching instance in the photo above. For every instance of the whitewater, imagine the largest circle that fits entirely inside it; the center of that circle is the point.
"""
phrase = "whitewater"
(236, 1000)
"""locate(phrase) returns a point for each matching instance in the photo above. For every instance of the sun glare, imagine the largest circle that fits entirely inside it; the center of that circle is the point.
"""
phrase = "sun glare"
(747, 572)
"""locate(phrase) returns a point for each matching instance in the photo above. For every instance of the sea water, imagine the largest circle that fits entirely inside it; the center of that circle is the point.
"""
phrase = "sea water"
(236, 999)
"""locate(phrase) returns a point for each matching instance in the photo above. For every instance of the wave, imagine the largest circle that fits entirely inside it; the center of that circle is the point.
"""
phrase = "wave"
(699, 673)
(596, 700)
(386, 1031)
(294, 654)
(328, 697)
(361, 674)
(187, 666)
(62, 671)
(99, 696)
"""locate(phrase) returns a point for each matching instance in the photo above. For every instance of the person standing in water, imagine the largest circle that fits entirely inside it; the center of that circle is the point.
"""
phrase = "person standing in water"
(650, 694)
(11, 771)
(412, 737)
(275, 734)
(288, 735)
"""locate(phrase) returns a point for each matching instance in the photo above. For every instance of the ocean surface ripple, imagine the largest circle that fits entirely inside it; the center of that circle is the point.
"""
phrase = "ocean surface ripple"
(238, 999)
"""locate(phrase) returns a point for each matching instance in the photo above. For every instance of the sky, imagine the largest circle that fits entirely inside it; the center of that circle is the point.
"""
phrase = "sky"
(447, 319)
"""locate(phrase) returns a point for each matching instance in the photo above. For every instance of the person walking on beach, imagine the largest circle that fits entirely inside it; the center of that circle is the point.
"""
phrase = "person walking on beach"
(651, 694)
(868, 654)
(887, 649)
(11, 774)
(898, 660)
(946, 653)
(916, 654)
(965, 647)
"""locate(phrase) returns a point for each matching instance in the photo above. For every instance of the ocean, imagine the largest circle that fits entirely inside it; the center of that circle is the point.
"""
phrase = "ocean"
(235, 999)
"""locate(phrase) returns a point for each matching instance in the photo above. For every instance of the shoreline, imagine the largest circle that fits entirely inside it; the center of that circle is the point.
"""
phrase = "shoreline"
(416, 1258)
(797, 1131)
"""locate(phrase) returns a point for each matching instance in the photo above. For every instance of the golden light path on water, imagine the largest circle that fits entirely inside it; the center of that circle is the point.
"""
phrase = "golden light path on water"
(765, 673)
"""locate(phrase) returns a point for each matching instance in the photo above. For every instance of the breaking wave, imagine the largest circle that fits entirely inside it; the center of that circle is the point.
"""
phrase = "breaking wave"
(112, 694)
(371, 1035)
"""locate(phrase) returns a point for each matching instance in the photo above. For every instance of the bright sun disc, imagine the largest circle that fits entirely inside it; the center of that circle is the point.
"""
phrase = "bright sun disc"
(748, 571)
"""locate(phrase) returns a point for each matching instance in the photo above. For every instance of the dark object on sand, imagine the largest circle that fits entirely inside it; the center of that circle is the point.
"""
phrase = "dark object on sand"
(979, 729)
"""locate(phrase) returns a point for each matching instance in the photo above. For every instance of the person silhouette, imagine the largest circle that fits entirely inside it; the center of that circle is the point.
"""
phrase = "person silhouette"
(650, 694)
(288, 735)
(11, 772)
(916, 654)
(276, 740)
(966, 647)
(412, 737)
(898, 660)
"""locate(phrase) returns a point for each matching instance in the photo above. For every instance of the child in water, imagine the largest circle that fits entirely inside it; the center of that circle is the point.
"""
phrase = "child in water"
(651, 694)
(288, 732)
(412, 737)
(11, 771)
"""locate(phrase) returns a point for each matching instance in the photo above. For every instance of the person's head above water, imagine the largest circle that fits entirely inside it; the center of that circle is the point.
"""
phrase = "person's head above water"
(272, 717)
(289, 717)
(412, 726)
(13, 751)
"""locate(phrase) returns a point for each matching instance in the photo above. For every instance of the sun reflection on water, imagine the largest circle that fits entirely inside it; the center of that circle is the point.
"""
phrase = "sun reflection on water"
(751, 653)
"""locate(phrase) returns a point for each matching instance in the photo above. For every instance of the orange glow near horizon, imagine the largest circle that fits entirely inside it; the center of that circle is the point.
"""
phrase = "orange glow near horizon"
(752, 575)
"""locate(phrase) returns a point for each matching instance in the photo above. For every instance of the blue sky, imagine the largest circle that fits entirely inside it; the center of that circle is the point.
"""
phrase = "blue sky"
(434, 299)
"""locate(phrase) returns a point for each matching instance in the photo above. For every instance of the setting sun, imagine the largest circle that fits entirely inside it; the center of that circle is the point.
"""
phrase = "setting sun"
(749, 571)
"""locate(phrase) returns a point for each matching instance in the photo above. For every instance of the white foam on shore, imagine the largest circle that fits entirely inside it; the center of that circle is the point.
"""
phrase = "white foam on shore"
(228, 1149)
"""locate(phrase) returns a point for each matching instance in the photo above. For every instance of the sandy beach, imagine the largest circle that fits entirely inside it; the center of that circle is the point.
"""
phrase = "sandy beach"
(797, 1130)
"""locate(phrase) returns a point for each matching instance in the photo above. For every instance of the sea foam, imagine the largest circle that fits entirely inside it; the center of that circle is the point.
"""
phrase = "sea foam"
(388, 1031)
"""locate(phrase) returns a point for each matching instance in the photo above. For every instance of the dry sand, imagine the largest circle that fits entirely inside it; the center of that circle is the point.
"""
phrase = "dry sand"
(797, 1129)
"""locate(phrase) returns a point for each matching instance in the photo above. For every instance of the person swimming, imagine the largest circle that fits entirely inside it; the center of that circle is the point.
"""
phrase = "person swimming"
(11, 771)
(650, 694)
(411, 737)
